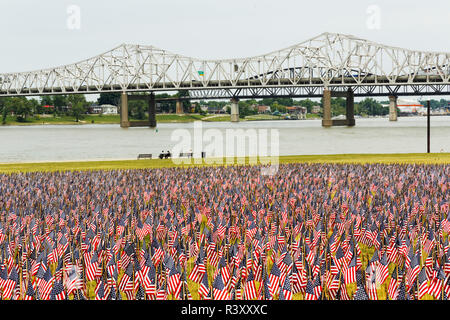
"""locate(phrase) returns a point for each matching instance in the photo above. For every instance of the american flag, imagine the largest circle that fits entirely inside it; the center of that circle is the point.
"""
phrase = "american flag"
(91, 270)
(295, 280)
(309, 293)
(73, 280)
(371, 282)
(350, 271)
(401, 292)
(174, 280)
(203, 289)
(361, 293)
(250, 287)
(100, 292)
(45, 286)
(126, 282)
(162, 292)
(219, 291)
(413, 271)
(382, 270)
(286, 289)
(274, 280)
(429, 242)
(396, 278)
(317, 287)
(339, 258)
(446, 286)
(333, 284)
(423, 284)
(11, 283)
(149, 277)
(58, 292)
(30, 294)
(437, 283)
(238, 290)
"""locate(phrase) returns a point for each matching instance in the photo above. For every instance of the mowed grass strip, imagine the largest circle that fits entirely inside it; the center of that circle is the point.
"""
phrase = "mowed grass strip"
(399, 158)
(101, 119)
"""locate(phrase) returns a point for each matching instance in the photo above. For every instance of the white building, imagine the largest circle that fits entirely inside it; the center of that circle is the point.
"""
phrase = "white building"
(410, 106)
(108, 109)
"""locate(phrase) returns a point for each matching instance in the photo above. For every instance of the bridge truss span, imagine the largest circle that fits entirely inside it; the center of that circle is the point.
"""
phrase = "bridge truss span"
(330, 60)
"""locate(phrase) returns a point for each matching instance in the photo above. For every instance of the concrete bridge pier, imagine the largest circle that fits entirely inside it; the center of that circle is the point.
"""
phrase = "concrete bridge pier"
(350, 108)
(392, 108)
(179, 107)
(152, 110)
(234, 110)
(326, 118)
(124, 122)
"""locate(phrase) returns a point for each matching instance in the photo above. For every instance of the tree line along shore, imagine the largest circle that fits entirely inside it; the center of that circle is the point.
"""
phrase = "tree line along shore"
(76, 109)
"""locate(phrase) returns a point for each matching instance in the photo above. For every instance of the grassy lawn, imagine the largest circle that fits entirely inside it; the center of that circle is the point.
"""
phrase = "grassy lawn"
(432, 158)
(178, 117)
(99, 119)
(49, 119)
(224, 117)
(263, 117)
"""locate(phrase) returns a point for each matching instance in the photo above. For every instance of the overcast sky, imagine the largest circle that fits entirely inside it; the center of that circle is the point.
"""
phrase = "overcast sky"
(38, 34)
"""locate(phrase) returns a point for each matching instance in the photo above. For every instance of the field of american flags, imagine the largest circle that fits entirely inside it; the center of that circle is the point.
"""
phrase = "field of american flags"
(311, 231)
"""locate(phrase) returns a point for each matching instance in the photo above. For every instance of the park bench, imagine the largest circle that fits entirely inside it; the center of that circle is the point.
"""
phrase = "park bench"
(191, 154)
(186, 154)
(145, 156)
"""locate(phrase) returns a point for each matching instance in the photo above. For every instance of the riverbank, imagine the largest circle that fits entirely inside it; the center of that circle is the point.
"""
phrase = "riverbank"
(115, 119)
(405, 158)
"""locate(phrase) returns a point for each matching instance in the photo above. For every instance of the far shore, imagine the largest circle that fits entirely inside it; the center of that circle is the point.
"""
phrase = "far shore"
(160, 118)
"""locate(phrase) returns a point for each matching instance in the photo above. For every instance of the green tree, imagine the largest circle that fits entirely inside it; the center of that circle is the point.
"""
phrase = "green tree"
(21, 107)
(112, 98)
(288, 102)
(3, 109)
(34, 105)
(46, 100)
(282, 108)
(197, 108)
(4, 115)
(78, 110)
(308, 104)
(274, 106)
(59, 101)
(73, 99)
(435, 104)
(244, 110)
(137, 108)
(166, 106)
(370, 106)
(338, 106)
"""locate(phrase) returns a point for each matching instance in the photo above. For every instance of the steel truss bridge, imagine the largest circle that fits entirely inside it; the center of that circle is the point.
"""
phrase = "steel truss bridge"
(329, 61)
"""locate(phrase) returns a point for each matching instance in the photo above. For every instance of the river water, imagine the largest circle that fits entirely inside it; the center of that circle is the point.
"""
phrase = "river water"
(296, 137)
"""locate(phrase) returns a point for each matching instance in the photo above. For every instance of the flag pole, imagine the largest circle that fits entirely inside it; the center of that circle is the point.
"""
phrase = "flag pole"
(428, 126)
